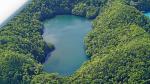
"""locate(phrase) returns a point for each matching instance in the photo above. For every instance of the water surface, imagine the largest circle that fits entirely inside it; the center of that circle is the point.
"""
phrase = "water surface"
(147, 14)
(67, 34)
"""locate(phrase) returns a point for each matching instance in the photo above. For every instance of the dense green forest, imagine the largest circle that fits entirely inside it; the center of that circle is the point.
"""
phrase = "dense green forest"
(119, 44)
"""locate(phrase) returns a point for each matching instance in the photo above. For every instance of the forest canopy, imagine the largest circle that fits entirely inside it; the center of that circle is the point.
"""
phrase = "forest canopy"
(118, 44)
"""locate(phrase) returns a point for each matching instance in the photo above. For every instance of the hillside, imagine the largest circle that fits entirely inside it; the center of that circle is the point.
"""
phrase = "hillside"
(119, 44)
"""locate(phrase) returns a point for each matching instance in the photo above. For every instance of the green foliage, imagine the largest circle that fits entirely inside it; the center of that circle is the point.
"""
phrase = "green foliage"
(17, 68)
(113, 17)
(82, 9)
(46, 13)
(92, 12)
(120, 48)
(119, 44)
(47, 79)
(79, 9)
(88, 8)
(22, 36)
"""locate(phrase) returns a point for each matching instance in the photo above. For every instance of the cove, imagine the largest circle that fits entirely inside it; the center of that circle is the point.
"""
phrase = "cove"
(66, 33)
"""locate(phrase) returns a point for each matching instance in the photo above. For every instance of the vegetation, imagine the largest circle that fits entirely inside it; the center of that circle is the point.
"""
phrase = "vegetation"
(46, 78)
(119, 44)
(17, 68)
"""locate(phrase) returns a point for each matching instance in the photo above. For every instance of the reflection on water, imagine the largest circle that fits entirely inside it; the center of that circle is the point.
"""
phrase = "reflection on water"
(67, 34)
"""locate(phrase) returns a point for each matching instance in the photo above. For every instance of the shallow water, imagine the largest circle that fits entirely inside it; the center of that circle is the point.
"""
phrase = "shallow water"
(66, 33)
(147, 14)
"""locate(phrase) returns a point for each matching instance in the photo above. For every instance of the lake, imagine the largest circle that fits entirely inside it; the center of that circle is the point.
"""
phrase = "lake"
(147, 14)
(66, 33)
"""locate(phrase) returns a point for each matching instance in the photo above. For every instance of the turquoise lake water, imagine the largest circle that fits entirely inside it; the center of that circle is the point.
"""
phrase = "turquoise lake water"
(147, 14)
(66, 32)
